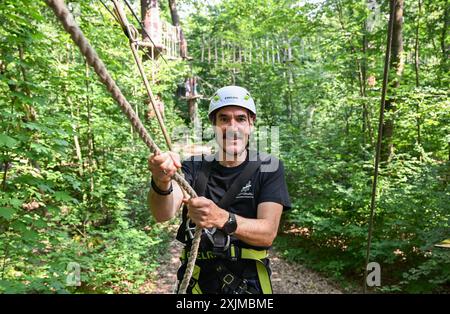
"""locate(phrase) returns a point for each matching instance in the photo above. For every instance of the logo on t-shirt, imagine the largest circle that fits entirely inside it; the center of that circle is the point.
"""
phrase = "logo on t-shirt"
(245, 191)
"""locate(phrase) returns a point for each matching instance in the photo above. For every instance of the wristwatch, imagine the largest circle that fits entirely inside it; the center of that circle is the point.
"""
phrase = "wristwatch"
(231, 225)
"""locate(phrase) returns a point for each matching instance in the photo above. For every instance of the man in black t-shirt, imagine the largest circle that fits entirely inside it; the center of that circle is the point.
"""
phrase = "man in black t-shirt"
(242, 194)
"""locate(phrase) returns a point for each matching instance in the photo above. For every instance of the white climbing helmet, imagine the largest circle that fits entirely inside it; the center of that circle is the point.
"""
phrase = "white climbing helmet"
(231, 96)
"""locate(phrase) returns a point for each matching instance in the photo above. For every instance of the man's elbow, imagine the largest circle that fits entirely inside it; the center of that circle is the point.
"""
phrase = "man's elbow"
(158, 214)
(161, 217)
(268, 240)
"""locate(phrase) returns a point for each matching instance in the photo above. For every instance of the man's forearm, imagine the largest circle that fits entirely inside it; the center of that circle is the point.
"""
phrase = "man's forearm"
(257, 232)
(164, 207)
(260, 231)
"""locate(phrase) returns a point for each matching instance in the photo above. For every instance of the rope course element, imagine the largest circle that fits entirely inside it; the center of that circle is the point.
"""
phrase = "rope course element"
(69, 24)
(264, 50)
(147, 53)
(380, 133)
(109, 10)
(134, 44)
(144, 30)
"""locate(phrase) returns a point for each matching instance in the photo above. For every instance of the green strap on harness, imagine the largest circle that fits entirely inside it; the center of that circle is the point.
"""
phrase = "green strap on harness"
(245, 253)
(256, 255)
(263, 276)
(195, 275)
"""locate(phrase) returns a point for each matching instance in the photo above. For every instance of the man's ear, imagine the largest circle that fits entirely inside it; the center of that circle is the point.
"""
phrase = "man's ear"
(252, 120)
(252, 124)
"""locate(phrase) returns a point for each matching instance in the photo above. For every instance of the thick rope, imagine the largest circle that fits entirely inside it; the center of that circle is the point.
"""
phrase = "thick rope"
(380, 134)
(63, 14)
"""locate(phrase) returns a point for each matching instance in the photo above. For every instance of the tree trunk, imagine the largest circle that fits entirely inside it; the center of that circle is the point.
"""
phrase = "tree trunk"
(6, 164)
(418, 123)
(290, 81)
(416, 46)
(444, 46)
(90, 134)
(76, 140)
(145, 17)
(152, 26)
(176, 23)
(74, 122)
(150, 18)
(310, 119)
(193, 109)
(444, 33)
(362, 69)
(416, 68)
(397, 65)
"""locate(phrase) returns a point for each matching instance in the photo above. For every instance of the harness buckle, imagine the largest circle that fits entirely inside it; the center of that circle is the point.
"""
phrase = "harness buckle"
(192, 282)
(190, 230)
(210, 234)
(228, 279)
(242, 288)
(220, 241)
(235, 285)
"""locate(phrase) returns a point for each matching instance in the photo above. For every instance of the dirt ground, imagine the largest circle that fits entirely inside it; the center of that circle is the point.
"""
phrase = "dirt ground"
(287, 278)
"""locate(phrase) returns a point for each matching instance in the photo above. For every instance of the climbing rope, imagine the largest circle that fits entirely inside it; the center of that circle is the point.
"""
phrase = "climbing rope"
(380, 134)
(110, 12)
(63, 14)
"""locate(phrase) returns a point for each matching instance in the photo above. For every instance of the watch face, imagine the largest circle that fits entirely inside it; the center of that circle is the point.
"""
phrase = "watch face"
(231, 224)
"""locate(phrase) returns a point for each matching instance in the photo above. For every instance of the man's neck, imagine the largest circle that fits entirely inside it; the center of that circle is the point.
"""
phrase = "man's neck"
(233, 160)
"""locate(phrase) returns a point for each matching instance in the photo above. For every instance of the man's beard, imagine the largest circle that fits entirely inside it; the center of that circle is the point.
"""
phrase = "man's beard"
(233, 153)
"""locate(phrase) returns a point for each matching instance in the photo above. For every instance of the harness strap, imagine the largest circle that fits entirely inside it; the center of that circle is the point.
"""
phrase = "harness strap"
(233, 253)
(230, 281)
(193, 282)
(264, 278)
(255, 161)
(203, 176)
(246, 174)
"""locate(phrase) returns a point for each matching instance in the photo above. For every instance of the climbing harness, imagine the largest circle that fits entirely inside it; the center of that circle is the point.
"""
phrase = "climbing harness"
(219, 240)
(216, 237)
(230, 282)
(69, 24)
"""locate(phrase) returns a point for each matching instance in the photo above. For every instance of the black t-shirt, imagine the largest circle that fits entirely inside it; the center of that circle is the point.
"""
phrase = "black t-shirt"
(267, 184)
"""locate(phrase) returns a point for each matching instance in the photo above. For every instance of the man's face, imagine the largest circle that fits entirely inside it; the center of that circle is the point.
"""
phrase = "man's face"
(232, 129)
